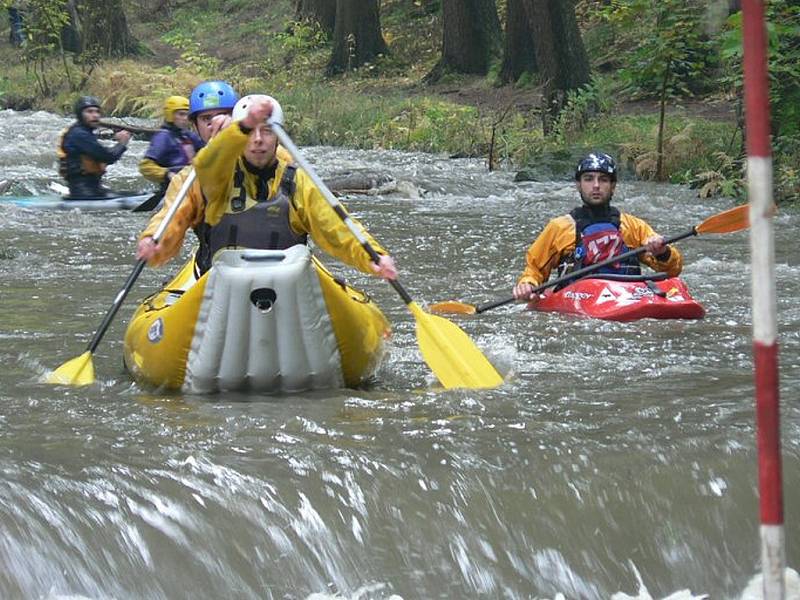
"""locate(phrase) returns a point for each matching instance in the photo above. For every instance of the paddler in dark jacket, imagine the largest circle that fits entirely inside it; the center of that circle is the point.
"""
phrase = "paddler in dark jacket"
(82, 159)
(173, 146)
(593, 232)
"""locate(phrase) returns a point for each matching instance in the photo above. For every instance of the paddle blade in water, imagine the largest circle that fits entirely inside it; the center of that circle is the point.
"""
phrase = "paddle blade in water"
(728, 221)
(453, 307)
(451, 354)
(78, 371)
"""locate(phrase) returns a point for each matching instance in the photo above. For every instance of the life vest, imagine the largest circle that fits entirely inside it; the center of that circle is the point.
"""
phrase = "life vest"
(72, 166)
(260, 223)
(175, 151)
(598, 239)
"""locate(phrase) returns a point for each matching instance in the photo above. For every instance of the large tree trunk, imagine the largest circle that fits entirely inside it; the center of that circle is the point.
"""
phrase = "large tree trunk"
(357, 37)
(322, 12)
(519, 53)
(72, 32)
(470, 37)
(560, 54)
(105, 28)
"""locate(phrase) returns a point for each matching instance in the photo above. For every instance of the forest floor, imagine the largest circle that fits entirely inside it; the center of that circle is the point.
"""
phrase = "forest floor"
(475, 92)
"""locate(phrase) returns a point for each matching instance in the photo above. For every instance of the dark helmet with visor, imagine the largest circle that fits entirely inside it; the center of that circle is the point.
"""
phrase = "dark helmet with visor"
(85, 102)
(597, 162)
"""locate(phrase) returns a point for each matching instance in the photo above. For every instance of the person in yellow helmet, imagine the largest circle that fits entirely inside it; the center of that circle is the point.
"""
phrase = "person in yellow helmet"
(594, 232)
(208, 100)
(254, 198)
(173, 147)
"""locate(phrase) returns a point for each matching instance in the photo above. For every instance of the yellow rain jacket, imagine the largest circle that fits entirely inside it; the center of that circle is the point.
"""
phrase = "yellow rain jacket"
(189, 215)
(216, 163)
(557, 242)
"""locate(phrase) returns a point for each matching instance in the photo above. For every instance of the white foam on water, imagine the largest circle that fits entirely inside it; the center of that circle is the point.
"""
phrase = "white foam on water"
(754, 589)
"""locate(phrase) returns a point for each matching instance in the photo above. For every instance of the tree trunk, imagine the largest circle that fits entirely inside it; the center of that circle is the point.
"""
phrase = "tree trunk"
(560, 54)
(322, 12)
(519, 53)
(357, 37)
(105, 28)
(470, 37)
(72, 33)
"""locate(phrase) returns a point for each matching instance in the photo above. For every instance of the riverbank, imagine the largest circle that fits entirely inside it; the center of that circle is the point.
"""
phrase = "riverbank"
(386, 105)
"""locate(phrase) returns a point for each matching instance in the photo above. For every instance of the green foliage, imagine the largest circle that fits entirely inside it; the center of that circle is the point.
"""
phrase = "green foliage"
(302, 36)
(583, 104)
(44, 20)
(192, 56)
(783, 35)
(670, 50)
(725, 179)
(783, 38)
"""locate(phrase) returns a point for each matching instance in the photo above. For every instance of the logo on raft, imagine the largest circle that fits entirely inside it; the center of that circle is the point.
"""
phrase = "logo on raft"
(156, 331)
(641, 292)
(577, 295)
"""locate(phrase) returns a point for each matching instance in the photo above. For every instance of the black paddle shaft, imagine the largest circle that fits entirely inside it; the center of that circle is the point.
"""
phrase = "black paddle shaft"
(151, 202)
(121, 295)
(585, 271)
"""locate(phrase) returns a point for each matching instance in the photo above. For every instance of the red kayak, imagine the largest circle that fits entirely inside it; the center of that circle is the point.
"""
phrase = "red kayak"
(624, 298)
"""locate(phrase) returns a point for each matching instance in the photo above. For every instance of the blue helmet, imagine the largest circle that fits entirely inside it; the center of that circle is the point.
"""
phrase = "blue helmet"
(599, 162)
(211, 95)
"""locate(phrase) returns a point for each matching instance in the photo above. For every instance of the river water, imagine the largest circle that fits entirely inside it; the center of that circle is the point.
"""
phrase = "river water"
(617, 460)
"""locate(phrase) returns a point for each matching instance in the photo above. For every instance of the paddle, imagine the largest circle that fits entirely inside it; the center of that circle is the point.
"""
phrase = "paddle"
(125, 127)
(450, 353)
(733, 219)
(80, 370)
(151, 202)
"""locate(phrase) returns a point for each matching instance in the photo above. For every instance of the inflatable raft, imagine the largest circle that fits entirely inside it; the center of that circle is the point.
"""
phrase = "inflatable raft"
(54, 201)
(259, 320)
(624, 298)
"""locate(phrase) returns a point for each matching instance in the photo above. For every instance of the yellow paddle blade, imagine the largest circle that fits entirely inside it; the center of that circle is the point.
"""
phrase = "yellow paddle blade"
(728, 221)
(78, 371)
(451, 354)
(453, 307)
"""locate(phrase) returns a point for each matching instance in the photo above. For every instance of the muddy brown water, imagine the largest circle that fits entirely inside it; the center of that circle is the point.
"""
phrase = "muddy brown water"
(615, 455)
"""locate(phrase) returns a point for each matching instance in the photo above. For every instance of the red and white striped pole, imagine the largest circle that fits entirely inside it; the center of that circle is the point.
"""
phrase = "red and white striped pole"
(765, 346)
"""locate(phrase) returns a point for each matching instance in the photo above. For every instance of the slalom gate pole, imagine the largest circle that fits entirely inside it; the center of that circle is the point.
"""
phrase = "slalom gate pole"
(765, 346)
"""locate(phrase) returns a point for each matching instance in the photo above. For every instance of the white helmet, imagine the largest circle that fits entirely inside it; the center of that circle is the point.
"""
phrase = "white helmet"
(244, 103)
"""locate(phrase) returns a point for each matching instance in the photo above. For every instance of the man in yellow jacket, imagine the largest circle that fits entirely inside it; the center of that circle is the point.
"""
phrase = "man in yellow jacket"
(255, 198)
(207, 100)
(593, 232)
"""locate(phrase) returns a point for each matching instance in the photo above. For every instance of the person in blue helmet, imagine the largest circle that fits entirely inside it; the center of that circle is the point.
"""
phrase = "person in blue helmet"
(173, 146)
(82, 159)
(593, 232)
(207, 100)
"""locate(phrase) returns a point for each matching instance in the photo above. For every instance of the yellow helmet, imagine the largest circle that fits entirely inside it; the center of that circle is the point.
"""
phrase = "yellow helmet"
(172, 104)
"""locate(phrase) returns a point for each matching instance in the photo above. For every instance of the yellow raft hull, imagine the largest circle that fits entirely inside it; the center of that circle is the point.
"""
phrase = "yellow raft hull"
(166, 333)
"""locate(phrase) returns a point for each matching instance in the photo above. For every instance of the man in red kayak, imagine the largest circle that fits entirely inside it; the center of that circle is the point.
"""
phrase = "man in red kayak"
(593, 232)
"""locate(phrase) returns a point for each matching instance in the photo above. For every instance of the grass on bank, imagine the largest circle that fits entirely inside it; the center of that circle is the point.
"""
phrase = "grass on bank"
(378, 106)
